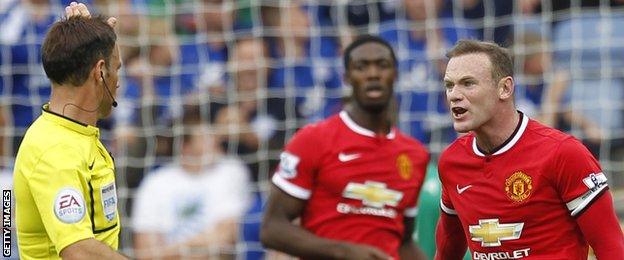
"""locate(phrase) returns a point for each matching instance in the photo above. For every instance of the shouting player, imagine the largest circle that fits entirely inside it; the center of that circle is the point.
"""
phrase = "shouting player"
(353, 179)
(513, 188)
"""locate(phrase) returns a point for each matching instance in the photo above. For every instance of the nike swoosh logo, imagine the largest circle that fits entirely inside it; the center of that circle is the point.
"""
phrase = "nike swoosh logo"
(461, 190)
(343, 157)
(91, 166)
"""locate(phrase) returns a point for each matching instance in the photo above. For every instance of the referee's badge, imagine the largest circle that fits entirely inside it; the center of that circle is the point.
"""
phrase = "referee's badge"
(109, 201)
(69, 206)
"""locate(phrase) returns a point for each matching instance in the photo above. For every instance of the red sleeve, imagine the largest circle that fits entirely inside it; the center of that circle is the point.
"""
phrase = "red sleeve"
(445, 201)
(450, 240)
(582, 185)
(298, 162)
(600, 227)
(577, 176)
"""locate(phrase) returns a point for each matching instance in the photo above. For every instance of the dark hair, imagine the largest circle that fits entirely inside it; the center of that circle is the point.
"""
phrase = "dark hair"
(73, 46)
(361, 40)
(500, 58)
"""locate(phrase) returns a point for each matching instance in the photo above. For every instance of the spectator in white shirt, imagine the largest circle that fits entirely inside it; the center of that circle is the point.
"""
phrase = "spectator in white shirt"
(191, 207)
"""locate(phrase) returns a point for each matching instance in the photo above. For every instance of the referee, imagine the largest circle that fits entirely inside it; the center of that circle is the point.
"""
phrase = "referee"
(64, 177)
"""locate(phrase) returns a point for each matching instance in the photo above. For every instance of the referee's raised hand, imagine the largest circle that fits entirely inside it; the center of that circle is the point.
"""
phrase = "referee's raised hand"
(80, 9)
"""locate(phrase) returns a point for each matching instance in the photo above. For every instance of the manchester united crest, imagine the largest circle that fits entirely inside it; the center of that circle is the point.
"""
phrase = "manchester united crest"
(404, 165)
(518, 186)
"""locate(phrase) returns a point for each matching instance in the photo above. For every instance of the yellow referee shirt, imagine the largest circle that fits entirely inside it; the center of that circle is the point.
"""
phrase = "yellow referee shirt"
(64, 184)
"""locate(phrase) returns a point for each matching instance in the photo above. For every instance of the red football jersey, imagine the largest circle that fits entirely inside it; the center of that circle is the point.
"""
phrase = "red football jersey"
(358, 185)
(521, 201)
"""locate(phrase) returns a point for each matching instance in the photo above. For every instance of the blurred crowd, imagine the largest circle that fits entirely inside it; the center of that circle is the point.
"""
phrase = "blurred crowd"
(212, 89)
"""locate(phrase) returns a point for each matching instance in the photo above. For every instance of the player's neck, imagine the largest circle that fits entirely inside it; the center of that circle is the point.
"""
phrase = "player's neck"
(497, 131)
(73, 102)
(379, 123)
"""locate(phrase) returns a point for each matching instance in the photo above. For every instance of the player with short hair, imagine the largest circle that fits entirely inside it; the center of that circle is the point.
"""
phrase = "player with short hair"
(354, 178)
(64, 178)
(511, 187)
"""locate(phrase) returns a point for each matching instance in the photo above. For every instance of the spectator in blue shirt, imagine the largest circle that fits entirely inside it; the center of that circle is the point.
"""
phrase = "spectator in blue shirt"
(304, 66)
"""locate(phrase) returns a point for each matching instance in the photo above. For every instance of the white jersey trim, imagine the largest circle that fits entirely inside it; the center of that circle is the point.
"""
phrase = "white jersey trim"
(411, 212)
(514, 140)
(361, 130)
(290, 188)
(446, 209)
(577, 205)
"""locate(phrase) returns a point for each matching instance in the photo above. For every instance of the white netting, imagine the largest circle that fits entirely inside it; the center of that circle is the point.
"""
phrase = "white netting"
(569, 69)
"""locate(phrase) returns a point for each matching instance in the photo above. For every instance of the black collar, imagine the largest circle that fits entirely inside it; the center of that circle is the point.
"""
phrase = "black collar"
(506, 141)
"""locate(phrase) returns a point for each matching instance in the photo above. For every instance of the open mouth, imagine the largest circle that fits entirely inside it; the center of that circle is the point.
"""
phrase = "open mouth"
(458, 112)
(374, 91)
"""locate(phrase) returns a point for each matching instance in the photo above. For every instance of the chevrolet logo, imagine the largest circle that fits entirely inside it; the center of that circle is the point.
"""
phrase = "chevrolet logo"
(373, 194)
(490, 233)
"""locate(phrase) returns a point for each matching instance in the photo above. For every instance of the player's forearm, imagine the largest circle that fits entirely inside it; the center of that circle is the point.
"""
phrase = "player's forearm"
(450, 240)
(601, 229)
(90, 249)
(296, 241)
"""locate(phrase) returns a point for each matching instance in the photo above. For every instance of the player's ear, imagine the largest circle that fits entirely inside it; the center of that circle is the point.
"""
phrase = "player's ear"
(506, 88)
